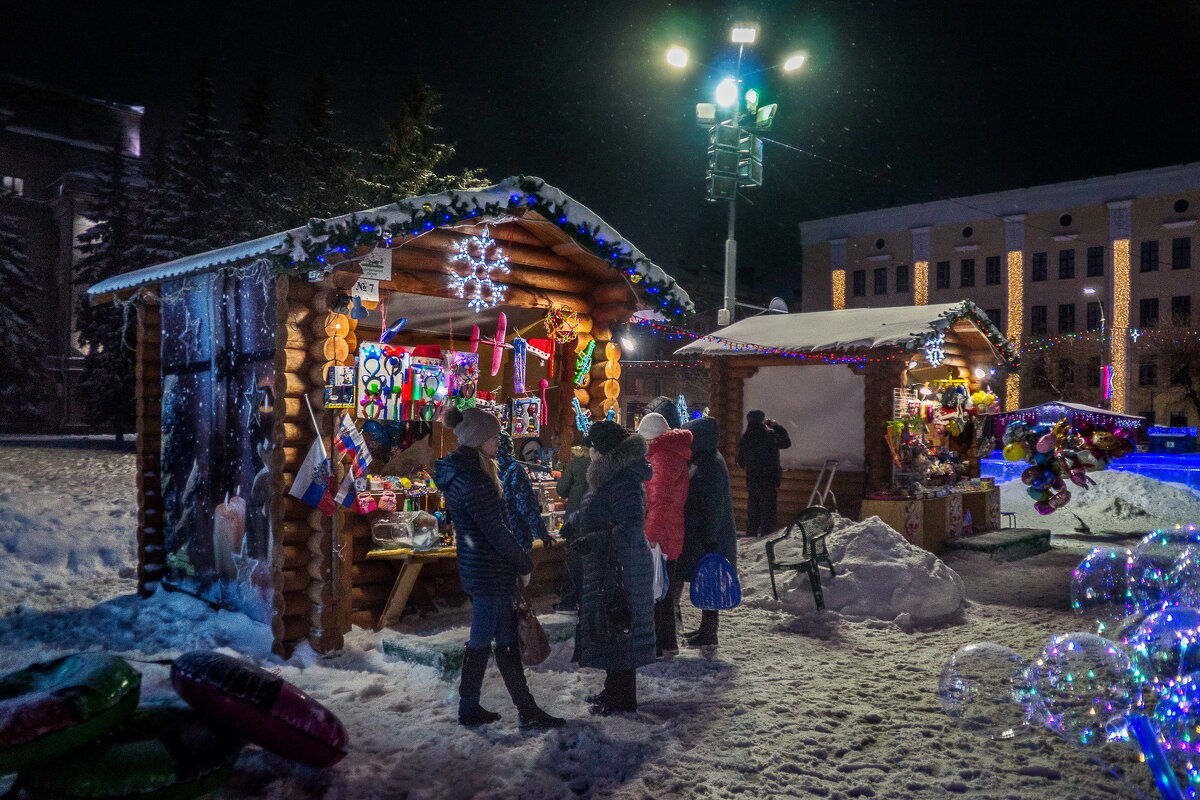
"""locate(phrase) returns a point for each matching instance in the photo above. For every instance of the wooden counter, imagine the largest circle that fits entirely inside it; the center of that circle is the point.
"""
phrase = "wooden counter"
(930, 521)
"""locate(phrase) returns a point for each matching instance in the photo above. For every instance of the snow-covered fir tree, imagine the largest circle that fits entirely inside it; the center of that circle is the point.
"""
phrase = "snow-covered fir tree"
(321, 170)
(409, 160)
(189, 209)
(111, 246)
(23, 347)
(257, 191)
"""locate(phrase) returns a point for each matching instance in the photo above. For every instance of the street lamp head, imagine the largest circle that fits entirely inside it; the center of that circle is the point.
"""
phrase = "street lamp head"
(1089, 291)
(727, 93)
(744, 34)
(677, 56)
(794, 62)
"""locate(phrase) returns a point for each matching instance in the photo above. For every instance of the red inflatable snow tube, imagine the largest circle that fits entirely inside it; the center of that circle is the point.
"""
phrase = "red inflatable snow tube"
(259, 707)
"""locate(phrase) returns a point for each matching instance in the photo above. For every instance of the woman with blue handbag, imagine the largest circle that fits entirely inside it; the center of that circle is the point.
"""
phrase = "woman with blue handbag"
(707, 521)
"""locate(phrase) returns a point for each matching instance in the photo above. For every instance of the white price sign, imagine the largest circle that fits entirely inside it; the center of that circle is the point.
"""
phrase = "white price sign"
(377, 265)
(366, 289)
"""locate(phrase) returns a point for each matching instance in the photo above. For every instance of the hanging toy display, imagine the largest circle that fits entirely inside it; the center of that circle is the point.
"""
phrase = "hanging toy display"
(562, 324)
(526, 416)
(497, 343)
(583, 363)
(682, 407)
(583, 417)
(519, 348)
(462, 377)
(1059, 454)
(544, 417)
(381, 375)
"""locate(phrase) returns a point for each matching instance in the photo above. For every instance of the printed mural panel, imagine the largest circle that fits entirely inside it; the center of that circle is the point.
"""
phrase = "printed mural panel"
(218, 357)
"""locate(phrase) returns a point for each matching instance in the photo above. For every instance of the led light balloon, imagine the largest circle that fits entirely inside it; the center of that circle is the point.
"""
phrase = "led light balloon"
(977, 690)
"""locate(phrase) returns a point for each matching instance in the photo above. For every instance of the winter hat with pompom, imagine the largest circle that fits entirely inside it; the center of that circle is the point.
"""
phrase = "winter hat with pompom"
(472, 427)
(652, 426)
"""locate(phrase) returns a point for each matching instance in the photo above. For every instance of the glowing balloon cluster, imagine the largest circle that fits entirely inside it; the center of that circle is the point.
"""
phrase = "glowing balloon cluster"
(1140, 683)
(1057, 454)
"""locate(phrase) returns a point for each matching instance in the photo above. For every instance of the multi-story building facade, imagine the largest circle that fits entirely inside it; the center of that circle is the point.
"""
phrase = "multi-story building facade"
(51, 143)
(1085, 275)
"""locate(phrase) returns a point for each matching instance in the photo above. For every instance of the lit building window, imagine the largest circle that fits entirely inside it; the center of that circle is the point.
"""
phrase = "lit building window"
(12, 185)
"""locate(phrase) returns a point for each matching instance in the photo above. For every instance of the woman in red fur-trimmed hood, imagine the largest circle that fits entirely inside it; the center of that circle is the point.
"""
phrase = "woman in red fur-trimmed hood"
(666, 492)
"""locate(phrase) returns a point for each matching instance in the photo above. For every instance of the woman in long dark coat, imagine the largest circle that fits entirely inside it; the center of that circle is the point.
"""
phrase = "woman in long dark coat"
(490, 562)
(616, 567)
(707, 520)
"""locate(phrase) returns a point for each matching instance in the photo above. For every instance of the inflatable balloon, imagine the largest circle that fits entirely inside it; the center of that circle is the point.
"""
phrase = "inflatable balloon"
(1046, 444)
(1014, 452)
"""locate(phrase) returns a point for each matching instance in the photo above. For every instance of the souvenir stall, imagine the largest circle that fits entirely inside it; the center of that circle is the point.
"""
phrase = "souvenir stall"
(290, 391)
(882, 405)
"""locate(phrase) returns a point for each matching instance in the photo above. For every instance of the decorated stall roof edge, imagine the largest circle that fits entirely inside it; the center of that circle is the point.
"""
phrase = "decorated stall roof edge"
(849, 329)
(316, 245)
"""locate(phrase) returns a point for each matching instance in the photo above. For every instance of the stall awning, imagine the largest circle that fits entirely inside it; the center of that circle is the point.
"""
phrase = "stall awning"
(1054, 411)
(905, 327)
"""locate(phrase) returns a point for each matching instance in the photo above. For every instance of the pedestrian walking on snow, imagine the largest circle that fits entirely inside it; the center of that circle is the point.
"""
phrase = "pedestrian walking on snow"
(616, 610)
(670, 452)
(707, 521)
(490, 562)
(758, 454)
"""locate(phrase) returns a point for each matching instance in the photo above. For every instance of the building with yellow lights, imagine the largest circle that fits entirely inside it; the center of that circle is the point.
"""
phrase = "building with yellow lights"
(1083, 274)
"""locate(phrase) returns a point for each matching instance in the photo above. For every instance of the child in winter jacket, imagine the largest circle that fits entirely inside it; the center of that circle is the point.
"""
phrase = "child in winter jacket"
(666, 492)
(524, 510)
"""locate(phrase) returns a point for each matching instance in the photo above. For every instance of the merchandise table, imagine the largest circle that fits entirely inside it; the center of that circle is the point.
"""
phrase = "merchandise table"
(928, 522)
(410, 563)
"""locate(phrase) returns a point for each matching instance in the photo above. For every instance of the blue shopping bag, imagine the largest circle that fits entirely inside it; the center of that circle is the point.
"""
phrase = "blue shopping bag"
(715, 586)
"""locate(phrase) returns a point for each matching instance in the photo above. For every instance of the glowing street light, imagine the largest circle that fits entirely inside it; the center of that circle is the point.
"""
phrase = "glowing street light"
(677, 56)
(735, 152)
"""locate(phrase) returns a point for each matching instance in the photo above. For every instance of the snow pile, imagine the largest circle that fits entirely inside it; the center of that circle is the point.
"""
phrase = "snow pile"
(53, 527)
(880, 575)
(1123, 501)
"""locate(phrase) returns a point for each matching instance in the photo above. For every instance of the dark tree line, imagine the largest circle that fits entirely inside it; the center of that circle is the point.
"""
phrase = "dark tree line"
(204, 187)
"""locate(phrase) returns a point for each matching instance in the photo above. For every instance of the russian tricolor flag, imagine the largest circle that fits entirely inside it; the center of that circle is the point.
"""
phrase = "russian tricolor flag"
(350, 441)
(314, 482)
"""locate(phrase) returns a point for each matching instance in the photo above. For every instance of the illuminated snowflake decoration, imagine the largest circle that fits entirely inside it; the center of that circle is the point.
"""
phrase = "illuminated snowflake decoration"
(482, 256)
(935, 352)
(1135, 333)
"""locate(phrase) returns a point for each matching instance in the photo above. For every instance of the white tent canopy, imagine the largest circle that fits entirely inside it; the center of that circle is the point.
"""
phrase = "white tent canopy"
(822, 331)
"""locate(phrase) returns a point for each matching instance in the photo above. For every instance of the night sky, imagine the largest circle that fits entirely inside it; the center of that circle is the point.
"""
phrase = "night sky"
(915, 101)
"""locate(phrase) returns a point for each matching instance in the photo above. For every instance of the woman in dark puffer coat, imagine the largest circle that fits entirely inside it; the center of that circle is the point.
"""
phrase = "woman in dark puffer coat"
(612, 543)
(707, 519)
(490, 562)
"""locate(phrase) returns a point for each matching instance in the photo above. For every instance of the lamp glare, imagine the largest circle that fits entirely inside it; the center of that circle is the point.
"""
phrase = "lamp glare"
(727, 92)
(794, 62)
(677, 56)
(744, 34)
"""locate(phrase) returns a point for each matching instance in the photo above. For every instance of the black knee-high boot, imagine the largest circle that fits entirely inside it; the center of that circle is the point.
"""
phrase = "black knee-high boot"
(508, 660)
(475, 663)
(620, 693)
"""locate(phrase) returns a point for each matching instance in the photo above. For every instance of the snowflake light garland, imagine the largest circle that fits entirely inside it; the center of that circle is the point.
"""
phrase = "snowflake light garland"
(935, 352)
(482, 256)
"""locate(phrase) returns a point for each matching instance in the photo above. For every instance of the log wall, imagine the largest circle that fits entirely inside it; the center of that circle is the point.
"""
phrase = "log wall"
(148, 383)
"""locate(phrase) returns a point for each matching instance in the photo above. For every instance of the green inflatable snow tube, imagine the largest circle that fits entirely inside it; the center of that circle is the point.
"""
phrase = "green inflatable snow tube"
(51, 708)
(157, 754)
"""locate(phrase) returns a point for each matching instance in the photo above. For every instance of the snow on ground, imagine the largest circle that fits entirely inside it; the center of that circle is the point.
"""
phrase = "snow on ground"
(840, 703)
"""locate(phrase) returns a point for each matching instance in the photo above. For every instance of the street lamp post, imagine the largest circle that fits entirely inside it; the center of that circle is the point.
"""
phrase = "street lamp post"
(734, 160)
(1105, 371)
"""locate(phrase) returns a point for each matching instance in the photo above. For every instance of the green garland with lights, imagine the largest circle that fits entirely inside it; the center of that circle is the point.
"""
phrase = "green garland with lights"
(968, 310)
(322, 241)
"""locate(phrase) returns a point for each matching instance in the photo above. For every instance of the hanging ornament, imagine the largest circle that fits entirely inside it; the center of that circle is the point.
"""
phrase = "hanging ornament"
(583, 416)
(519, 347)
(562, 324)
(934, 350)
(544, 411)
(583, 362)
(481, 256)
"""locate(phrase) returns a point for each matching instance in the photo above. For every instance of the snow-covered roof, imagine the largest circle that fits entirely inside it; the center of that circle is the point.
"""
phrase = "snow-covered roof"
(310, 244)
(1055, 407)
(906, 327)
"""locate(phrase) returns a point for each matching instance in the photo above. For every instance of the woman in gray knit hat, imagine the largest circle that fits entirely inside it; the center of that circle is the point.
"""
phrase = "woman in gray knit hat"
(490, 562)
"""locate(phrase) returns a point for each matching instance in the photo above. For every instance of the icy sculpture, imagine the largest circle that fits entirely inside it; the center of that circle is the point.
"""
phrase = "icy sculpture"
(1078, 683)
(977, 689)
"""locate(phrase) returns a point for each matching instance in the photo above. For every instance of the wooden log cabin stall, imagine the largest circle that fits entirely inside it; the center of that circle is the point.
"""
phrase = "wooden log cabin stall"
(892, 395)
(235, 345)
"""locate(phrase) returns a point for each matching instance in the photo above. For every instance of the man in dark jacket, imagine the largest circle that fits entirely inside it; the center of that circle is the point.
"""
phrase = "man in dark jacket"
(707, 521)
(668, 408)
(758, 454)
